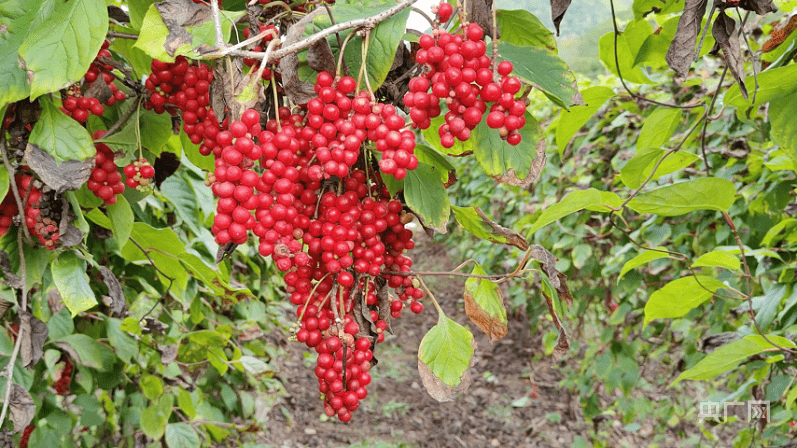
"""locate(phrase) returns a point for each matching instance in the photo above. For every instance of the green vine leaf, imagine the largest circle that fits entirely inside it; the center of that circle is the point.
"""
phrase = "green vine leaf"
(182, 435)
(484, 305)
(63, 40)
(718, 258)
(643, 257)
(659, 127)
(708, 193)
(680, 296)
(640, 167)
(446, 353)
(545, 70)
(121, 219)
(87, 351)
(155, 417)
(517, 165)
(784, 128)
(573, 202)
(69, 275)
(17, 16)
(476, 222)
(730, 355)
(61, 136)
(570, 121)
(522, 28)
(426, 196)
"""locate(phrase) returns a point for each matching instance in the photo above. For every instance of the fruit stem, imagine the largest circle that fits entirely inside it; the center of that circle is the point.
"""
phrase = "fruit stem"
(431, 296)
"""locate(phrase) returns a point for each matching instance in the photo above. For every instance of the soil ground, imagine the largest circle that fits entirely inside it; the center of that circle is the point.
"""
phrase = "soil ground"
(512, 402)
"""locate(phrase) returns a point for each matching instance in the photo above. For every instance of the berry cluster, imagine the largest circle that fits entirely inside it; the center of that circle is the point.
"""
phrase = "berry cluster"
(23, 441)
(47, 218)
(40, 225)
(460, 73)
(274, 33)
(139, 174)
(78, 107)
(64, 380)
(98, 69)
(105, 181)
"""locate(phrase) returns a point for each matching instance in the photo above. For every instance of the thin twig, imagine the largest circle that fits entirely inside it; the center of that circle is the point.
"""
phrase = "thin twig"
(126, 116)
(445, 274)
(14, 189)
(122, 35)
(214, 12)
(742, 22)
(22, 308)
(424, 15)
(707, 118)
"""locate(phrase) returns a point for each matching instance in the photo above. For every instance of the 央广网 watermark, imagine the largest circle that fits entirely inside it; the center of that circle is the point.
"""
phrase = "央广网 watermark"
(756, 410)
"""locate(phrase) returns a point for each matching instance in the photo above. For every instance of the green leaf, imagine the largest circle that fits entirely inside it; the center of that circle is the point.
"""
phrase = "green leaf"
(61, 136)
(60, 325)
(69, 275)
(784, 127)
(152, 38)
(427, 196)
(213, 280)
(730, 355)
(524, 29)
(446, 350)
(516, 165)
(642, 8)
(581, 255)
(629, 44)
(163, 247)
(773, 235)
(138, 9)
(484, 305)
(773, 84)
(477, 223)
(573, 202)
(544, 69)
(770, 304)
(17, 16)
(121, 217)
(5, 182)
(382, 45)
(718, 258)
(152, 386)
(711, 193)
(126, 346)
(186, 403)
(609, 201)
(680, 296)
(156, 129)
(253, 365)
(182, 435)
(658, 128)
(192, 152)
(90, 353)
(183, 201)
(640, 167)
(155, 417)
(63, 40)
(139, 61)
(433, 139)
(570, 121)
(431, 157)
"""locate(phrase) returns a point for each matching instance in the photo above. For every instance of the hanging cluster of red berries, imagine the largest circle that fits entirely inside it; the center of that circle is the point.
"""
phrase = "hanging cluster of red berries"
(78, 106)
(65, 380)
(459, 72)
(273, 34)
(139, 173)
(105, 181)
(44, 228)
(309, 187)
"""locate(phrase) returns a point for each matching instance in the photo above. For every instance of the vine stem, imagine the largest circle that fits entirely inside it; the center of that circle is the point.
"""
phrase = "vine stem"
(368, 22)
(22, 307)
(123, 119)
(17, 198)
(431, 296)
(366, 42)
(447, 274)
(214, 11)
(495, 42)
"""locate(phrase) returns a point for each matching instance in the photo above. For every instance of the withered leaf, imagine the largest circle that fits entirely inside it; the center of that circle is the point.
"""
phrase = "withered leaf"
(724, 32)
(226, 78)
(320, 57)
(69, 175)
(12, 279)
(118, 14)
(562, 341)
(168, 353)
(682, 48)
(69, 235)
(118, 303)
(6, 440)
(490, 319)
(480, 12)
(558, 280)
(558, 10)
(759, 7)
(510, 177)
(177, 15)
(99, 90)
(513, 238)
(299, 92)
(249, 91)
(383, 301)
(4, 306)
(224, 251)
(33, 333)
(439, 390)
(21, 406)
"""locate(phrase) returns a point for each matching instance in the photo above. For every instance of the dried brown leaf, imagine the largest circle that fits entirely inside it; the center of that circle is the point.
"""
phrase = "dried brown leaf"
(558, 280)
(320, 57)
(21, 406)
(759, 7)
(224, 251)
(34, 334)
(562, 341)
(682, 49)
(118, 303)
(510, 178)
(480, 12)
(177, 15)
(99, 90)
(724, 32)
(490, 325)
(512, 238)
(68, 234)
(12, 279)
(439, 390)
(69, 175)
(558, 10)
(168, 353)
(299, 92)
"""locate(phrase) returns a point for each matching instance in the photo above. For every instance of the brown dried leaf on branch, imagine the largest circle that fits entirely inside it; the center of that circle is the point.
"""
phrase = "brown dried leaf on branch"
(33, 333)
(320, 57)
(118, 302)
(558, 10)
(21, 406)
(69, 175)
(562, 341)
(759, 7)
(439, 390)
(682, 49)
(724, 32)
(558, 280)
(11, 279)
(69, 235)
(299, 92)
(480, 12)
(177, 15)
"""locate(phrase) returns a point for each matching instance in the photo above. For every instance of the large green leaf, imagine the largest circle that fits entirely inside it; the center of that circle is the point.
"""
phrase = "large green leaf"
(152, 38)
(438, 160)
(63, 40)
(629, 44)
(772, 84)
(516, 165)
(543, 69)
(182, 199)
(640, 167)
(163, 248)
(182, 435)
(730, 355)
(138, 9)
(573, 202)
(680, 296)
(126, 346)
(484, 305)
(5, 181)
(570, 121)
(659, 127)
(642, 8)
(213, 280)
(69, 275)
(643, 257)
(61, 136)
(711, 193)
(524, 29)
(90, 353)
(446, 350)
(121, 217)
(718, 258)
(784, 127)
(427, 196)
(155, 417)
(16, 16)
